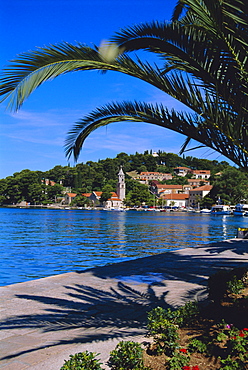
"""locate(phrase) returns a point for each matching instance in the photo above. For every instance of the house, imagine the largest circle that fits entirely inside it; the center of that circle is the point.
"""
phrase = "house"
(176, 200)
(198, 182)
(69, 198)
(167, 189)
(146, 177)
(196, 195)
(201, 174)
(48, 182)
(113, 202)
(182, 171)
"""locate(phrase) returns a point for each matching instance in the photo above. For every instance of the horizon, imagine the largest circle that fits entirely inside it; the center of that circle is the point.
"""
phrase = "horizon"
(33, 138)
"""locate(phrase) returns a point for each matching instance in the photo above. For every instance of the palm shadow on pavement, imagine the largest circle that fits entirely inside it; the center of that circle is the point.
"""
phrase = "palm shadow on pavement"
(117, 306)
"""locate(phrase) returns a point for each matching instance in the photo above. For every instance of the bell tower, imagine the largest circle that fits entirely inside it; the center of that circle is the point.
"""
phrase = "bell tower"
(121, 186)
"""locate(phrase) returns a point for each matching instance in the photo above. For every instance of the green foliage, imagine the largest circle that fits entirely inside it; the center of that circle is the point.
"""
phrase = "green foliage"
(224, 282)
(127, 356)
(230, 186)
(235, 285)
(138, 195)
(106, 193)
(182, 316)
(81, 201)
(82, 361)
(85, 178)
(231, 364)
(177, 361)
(196, 345)
(163, 330)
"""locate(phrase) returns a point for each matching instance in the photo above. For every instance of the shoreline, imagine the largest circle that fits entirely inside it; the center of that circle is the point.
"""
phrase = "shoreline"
(45, 320)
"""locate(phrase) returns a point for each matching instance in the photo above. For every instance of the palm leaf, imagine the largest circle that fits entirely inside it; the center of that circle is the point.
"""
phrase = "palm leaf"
(185, 124)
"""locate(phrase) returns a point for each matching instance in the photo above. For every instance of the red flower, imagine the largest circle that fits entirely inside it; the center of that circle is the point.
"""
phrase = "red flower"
(233, 337)
(184, 350)
(241, 334)
(195, 368)
(245, 329)
(186, 367)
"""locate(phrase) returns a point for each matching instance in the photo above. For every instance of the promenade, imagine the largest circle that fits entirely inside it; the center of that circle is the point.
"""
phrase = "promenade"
(44, 321)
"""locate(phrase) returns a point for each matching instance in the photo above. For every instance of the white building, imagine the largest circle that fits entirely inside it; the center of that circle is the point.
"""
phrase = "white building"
(176, 200)
(196, 195)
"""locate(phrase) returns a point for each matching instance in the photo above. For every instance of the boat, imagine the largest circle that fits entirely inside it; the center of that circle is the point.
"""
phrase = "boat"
(220, 209)
(205, 210)
(240, 209)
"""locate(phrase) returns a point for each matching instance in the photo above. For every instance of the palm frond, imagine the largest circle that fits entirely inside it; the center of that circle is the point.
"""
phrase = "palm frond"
(185, 124)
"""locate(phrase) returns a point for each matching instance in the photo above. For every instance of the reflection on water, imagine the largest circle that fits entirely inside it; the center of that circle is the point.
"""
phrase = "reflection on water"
(37, 243)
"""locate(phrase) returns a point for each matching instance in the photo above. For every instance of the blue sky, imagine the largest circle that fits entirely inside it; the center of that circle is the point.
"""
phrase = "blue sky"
(33, 138)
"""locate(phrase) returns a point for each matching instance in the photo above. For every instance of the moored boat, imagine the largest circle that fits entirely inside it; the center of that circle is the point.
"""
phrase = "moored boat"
(220, 209)
(240, 209)
(205, 210)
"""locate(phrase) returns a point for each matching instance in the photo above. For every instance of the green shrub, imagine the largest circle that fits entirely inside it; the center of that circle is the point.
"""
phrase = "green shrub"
(235, 285)
(127, 356)
(224, 282)
(187, 313)
(196, 345)
(82, 361)
(177, 361)
(230, 364)
(163, 331)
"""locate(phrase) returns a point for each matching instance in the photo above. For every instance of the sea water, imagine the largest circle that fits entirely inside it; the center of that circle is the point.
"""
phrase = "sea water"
(36, 243)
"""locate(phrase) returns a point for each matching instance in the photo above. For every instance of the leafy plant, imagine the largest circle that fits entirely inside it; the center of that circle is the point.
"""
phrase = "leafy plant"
(163, 331)
(197, 345)
(187, 313)
(82, 361)
(230, 364)
(224, 282)
(126, 356)
(177, 361)
(235, 285)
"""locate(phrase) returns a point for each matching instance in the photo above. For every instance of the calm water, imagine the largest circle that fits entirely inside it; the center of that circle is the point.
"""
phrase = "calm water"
(38, 242)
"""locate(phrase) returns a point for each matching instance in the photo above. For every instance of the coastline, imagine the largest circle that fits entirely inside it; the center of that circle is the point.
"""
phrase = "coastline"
(44, 321)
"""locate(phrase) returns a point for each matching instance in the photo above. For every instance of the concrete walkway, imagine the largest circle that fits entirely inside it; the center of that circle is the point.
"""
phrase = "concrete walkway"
(44, 321)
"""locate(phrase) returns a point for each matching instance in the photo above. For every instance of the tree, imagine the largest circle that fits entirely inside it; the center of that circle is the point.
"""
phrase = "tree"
(139, 195)
(204, 66)
(230, 186)
(81, 201)
(53, 191)
(106, 193)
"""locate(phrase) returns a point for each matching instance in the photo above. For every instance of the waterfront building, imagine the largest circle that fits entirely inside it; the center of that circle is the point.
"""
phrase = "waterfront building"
(196, 195)
(175, 200)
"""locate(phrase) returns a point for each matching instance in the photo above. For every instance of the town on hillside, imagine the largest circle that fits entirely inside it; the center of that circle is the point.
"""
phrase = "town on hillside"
(129, 181)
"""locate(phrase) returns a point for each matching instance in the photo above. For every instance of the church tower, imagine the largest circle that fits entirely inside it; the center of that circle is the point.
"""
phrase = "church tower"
(121, 186)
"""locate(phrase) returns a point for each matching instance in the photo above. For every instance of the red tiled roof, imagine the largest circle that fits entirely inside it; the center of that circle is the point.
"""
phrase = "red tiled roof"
(203, 188)
(169, 187)
(72, 195)
(182, 168)
(191, 181)
(206, 172)
(150, 173)
(175, 196)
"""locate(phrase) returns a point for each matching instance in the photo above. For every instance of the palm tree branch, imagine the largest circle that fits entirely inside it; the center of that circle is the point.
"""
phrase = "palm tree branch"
(185, 124)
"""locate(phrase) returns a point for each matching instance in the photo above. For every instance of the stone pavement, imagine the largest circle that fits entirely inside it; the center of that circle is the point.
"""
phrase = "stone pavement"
(44, 321)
